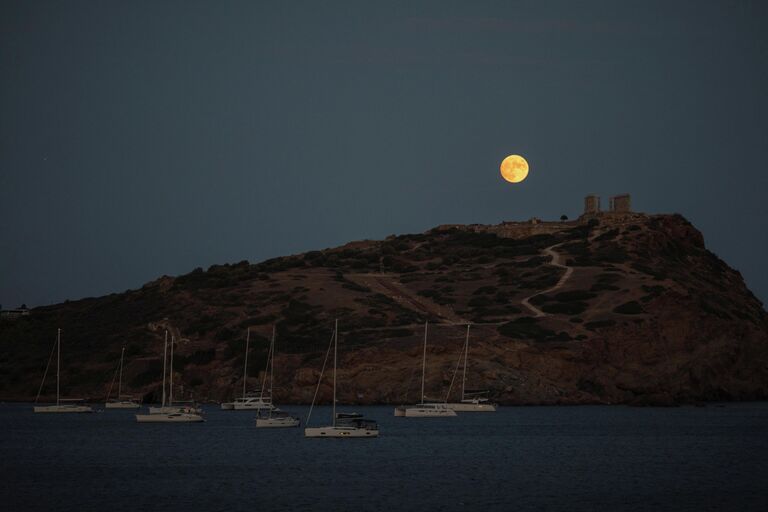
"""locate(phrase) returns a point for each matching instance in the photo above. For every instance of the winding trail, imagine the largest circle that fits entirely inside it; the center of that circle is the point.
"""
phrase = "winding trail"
(550, 251)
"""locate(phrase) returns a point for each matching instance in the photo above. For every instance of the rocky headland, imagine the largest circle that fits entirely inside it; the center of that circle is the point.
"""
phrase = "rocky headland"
(610, 309)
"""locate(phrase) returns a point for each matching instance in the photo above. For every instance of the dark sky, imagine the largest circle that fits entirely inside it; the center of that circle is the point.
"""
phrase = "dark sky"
(150, 137)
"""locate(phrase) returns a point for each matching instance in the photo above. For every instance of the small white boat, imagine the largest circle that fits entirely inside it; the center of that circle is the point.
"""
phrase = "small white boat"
(273, 417)
(170, 413)
(172, 417)
(470, 401)
(128, 403)
(424, 409)
(121, 402)
(61, 408)
(345, 425)
(73, 406)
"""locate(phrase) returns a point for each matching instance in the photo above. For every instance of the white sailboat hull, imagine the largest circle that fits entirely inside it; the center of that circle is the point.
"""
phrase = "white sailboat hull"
(176, 417)
(63, 408)
(277, 422)
(417, 411)
(127, 404)
(249, 403)
(258, 406)
(471, 407)
(175, 409)
(340, 432)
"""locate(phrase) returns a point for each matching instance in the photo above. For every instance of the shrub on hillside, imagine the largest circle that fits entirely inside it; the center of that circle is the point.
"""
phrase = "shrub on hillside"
(608, 235)
(599, 287)
(610, 252)
(480, 302)
(533, 262)
(629, 308)
(350, 285)
(599, 324)
(526, 328)
(565, 308)
(574, 295)
(658, 274)
(483, 314)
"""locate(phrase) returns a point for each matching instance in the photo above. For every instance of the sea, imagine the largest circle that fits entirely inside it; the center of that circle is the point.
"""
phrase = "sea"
(585, 458)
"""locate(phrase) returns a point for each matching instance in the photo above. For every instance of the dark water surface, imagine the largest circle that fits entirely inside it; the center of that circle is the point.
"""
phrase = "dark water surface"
(520, 458)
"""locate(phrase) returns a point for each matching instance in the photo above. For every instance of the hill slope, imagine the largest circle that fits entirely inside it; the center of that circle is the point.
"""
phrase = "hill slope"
(613, 309)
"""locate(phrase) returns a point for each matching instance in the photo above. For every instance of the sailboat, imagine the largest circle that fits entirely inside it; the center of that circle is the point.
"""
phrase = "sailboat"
(72, 405)
(255, 401)
(349, 425)
(170, 407)
(424, 409)
(470, 401)
(169, 414)
(274, 418)
(121, 402)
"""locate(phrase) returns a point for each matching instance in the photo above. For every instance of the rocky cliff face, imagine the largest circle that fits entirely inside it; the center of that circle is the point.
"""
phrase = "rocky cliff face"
(613, 309)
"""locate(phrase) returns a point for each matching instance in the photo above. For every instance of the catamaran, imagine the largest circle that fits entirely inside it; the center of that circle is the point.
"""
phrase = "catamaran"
(424, 409)
(72, 405)
(471, 401)
(122, 401)
(345, 425)
(274, 417)
(253, 401)
(169, 413)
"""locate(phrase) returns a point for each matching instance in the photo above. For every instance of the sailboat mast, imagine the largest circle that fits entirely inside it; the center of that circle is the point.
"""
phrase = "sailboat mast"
(464, 375)
(272, 365)
(170, 375)
(58, 362)
(165, 355)
(245, 366)
(424, 361)
(335, 352)
(266, 371)
(272, 373)
(120, 378)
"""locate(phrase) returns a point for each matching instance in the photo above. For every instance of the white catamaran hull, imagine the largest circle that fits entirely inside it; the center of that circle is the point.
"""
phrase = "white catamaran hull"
(169, 418)
(472, 407)
(424, 412)
(340, 432)
(277, 422)
(122, 405)
(63, 408)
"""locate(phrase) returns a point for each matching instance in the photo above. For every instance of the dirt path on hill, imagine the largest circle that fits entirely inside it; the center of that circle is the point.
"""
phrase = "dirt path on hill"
(549, 251)
(387, 285)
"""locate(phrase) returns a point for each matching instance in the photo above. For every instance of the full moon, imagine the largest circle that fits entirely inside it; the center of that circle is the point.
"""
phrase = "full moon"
(514, 168)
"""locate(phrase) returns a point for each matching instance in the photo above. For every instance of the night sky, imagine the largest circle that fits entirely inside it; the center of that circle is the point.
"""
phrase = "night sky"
(151, 137)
